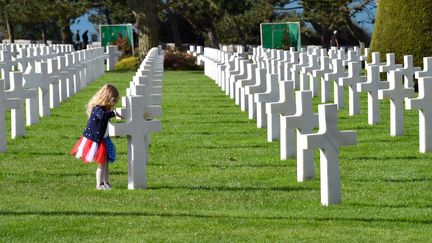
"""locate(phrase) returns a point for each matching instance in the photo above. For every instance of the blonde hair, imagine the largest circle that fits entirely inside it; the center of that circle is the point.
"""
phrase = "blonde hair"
(106, 97)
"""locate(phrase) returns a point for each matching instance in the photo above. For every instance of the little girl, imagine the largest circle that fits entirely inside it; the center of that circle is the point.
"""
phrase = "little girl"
(95, 145)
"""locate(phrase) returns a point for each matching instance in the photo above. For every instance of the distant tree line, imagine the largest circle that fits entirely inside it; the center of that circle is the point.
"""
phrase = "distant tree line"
(208, 22)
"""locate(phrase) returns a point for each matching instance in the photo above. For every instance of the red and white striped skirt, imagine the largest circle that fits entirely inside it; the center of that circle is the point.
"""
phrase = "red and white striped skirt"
(90, 151)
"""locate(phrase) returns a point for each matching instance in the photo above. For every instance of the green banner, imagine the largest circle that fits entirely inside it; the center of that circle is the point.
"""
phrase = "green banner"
(120, 35)
(280, 35)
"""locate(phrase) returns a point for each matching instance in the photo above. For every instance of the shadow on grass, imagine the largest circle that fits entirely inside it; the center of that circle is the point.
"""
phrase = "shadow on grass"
(211, 216)
(231, 189)
(225, 165)
(267, 146)
(374, 205)
(386, 157)
(404, 180)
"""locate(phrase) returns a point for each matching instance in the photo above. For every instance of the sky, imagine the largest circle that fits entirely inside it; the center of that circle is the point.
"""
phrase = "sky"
(83, 24)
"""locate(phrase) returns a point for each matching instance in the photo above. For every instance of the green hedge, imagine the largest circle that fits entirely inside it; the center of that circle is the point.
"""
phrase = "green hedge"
(404, 28)
(127, 64)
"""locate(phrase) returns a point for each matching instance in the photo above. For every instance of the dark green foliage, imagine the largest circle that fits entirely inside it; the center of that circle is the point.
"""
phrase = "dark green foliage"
(403, 28)
(328, 15)
(179, 60)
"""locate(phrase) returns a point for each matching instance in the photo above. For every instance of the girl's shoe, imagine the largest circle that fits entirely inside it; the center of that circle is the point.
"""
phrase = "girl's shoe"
(101, 187)
(107, 186)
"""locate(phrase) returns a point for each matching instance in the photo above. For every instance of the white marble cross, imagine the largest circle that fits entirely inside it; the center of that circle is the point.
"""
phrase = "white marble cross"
(17, 91)
(371, 86)
(6, 65)
(427, 69)
(73, 80)
(32, 80)
(240, 95)
(306, 73)
(304, 121)
(136, 128)
(294, 59)
(328, 139)
(64, 75)
(285, 106)
(351, 81)
(338, 72)
(234, 78)
(270, 95)
(408, 71)
(396, 93)
(390, 64)
(296, 69)
(375, 60)
(5, 104)
(259, 87)
(54, 80)
(44, 89)
(319, 75)
(424, 104)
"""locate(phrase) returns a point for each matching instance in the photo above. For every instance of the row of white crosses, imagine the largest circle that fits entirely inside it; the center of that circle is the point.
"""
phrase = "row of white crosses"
(272, 102)
(269, 95)
(43, 85)
(141, 105)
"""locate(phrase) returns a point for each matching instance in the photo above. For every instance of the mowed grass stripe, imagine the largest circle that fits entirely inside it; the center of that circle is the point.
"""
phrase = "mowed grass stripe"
(211, 177)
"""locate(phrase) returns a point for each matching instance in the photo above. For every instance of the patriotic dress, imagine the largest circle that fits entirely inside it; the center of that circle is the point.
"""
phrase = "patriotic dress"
(95, 145)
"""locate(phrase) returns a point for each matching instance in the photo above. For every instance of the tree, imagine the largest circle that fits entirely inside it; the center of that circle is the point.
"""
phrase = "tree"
(65, 11)
(328, 15)
(146, 22)
(16, 12)
(225, 20)
(403, 28)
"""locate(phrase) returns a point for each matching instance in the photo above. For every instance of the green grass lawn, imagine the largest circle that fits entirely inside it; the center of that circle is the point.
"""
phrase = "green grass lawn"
(211, 177)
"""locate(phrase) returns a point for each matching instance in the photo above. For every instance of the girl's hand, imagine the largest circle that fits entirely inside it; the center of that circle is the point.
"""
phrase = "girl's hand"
(117, 114)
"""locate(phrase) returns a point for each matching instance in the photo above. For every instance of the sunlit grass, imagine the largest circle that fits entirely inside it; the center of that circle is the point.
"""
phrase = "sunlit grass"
(211, 177)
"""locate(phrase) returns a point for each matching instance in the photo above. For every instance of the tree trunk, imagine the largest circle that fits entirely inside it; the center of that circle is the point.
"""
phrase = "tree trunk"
(10, 29)
(213, 40)
(66, 32)
(174, 28)
(44, 34)
(146, 24)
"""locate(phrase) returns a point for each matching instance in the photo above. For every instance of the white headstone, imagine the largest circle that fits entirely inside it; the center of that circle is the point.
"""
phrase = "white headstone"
(338, 72)
(285, 106)
(351, 81)
(408, 71)
(390, 64)
(18, 92)
(241, 86)
(424, 104)
(319, 75)
(329, 139)
(427, 69)
(371, 86)
(306, 83)
(32, 80)
(396, 93)
(259, 87)
(136, 128)
(270, 95)
(5, 104)
(304, 121)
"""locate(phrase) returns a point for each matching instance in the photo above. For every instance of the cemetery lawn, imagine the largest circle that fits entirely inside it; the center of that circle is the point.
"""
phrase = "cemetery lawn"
(211, 177)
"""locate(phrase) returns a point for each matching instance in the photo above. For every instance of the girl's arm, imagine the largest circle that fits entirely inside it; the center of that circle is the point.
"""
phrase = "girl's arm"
(117, 114)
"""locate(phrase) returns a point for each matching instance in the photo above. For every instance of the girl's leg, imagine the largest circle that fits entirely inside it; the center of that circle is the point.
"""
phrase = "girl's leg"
(106, 175)
(99, 176)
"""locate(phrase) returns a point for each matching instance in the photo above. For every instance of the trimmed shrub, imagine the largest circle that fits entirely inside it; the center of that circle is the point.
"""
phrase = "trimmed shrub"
(403, 28)
(127, 64)
(179, 60)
